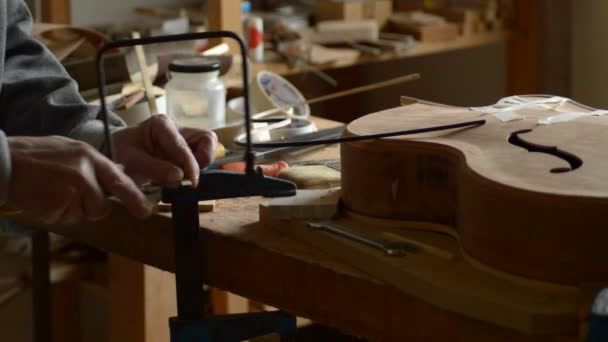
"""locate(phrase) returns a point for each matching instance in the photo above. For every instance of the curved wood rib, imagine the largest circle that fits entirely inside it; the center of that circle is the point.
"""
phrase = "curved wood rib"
(510, 211)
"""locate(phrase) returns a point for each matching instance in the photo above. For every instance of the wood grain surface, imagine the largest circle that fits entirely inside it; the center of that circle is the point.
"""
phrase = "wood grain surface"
(510, 210)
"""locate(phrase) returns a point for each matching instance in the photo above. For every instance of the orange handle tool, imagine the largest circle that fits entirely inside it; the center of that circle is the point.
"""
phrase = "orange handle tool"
(270, 170)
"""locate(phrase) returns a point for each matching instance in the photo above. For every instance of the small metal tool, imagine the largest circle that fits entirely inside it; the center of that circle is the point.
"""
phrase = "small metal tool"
(365, 48)
(389, 248)
(302, 63)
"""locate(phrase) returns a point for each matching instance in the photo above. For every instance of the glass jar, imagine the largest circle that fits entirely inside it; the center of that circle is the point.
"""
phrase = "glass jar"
(196, 97)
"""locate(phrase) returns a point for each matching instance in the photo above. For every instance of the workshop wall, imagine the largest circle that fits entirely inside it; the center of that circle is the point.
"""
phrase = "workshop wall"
(589, 51)
(98, 13)
(555, 64)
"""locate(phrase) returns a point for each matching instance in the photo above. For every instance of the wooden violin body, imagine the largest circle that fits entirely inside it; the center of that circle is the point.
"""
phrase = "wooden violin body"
(541, 215)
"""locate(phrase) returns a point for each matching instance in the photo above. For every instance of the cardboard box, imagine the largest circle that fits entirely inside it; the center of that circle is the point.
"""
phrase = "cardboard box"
(381, 10)
(338, 10)
(470, 19)
(425, 28)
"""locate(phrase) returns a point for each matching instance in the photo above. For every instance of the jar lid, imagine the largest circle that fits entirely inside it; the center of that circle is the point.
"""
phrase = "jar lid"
(194, 65)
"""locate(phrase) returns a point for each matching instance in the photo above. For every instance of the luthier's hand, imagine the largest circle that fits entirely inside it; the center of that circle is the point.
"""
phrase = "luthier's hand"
(156, 150)
(64, 181)
(60, 180)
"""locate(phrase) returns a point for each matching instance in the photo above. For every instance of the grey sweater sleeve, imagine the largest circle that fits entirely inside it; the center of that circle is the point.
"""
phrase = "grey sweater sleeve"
(5, 168)
(37, 96)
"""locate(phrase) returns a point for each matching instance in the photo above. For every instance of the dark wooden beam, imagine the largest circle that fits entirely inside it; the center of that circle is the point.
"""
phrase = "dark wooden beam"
(524, 48)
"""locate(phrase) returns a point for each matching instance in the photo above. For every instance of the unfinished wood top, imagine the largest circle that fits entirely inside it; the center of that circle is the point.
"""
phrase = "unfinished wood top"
(511, 210)
(489, 154)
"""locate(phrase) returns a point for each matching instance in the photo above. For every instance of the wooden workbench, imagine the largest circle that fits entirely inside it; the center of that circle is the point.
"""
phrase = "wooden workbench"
(263, 263)
(267, 264)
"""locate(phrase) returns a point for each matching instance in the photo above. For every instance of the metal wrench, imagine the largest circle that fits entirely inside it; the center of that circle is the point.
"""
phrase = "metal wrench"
(389, 248)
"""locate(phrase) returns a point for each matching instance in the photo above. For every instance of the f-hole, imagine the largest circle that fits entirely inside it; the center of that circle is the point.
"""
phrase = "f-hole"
(574, 161)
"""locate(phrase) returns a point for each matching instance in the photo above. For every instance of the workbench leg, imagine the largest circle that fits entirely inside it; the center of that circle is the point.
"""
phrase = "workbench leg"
(142, 298)
(41, 287)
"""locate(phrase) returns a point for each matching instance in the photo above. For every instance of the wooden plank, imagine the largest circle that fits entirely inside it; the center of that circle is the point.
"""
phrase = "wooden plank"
(142, 298)
(56, 11)
(321, 204)
(126, 294)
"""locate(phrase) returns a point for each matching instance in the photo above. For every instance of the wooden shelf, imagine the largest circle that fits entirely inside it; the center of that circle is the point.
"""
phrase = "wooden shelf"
(421, 49)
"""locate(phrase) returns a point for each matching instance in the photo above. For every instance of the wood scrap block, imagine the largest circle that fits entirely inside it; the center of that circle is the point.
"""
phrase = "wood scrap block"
(338, 10)
(312, 176)
(305, 205)
(335, 31)
(424, 27)
(203, 206)
(380, 10)
(468, 18)
(319, 54)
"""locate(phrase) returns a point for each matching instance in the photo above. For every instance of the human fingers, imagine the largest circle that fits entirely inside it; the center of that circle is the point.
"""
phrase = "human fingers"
(95, 204)
(202, 143)
(117, 183)
(156, 170)
(57, 211)
(73, 212)
(164, 134)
